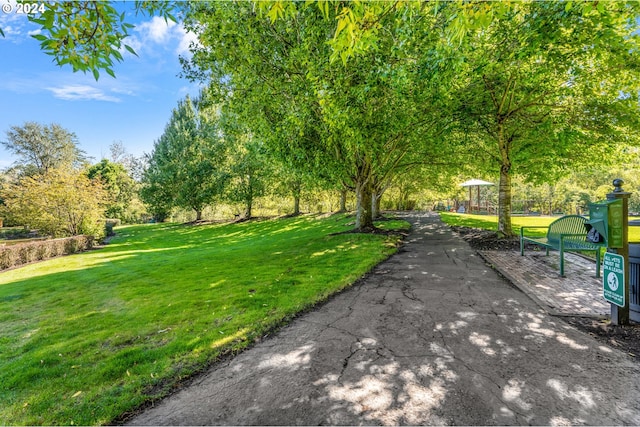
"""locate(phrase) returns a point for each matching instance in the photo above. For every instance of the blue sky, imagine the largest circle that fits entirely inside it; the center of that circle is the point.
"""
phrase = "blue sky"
(132, 108)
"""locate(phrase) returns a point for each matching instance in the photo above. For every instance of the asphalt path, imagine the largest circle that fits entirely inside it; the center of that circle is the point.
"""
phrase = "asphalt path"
(431, 336)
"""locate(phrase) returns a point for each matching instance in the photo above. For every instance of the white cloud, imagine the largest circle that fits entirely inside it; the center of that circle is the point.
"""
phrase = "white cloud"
(186, 38)
(14, 25)
(158, 35)
(157, 30)
(81, 93)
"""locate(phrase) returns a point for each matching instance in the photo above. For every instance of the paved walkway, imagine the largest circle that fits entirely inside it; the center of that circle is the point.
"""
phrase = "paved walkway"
(431, 336)
(579, 293)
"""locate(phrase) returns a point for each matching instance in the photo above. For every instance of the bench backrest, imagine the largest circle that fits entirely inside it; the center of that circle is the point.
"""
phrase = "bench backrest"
(569, 224)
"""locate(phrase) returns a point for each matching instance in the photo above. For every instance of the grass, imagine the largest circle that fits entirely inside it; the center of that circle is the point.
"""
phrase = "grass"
(490, 222)
(89, 337)
(487, 222)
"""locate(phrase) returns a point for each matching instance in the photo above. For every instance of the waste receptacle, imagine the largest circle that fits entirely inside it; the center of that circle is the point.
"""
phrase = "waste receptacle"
(634, 272)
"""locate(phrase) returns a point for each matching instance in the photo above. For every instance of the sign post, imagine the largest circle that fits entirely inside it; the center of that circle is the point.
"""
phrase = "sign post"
(616, 274)
(613, 279)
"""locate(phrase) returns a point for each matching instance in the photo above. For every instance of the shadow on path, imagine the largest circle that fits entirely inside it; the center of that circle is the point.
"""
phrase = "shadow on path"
(431, 336)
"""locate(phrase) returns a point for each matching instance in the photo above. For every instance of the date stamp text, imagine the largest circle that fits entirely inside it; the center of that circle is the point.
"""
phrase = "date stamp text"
(23, 8)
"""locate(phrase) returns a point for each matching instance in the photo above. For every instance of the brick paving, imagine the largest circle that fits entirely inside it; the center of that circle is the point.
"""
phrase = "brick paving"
(577, 294)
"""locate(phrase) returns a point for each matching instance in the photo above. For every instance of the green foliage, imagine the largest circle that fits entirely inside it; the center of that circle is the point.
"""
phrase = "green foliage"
(540, 91)
(90, 337)
(358, 125)
(88, 35)
(24, 253)
(42, 148)
(535, 88)
(187, 166)
(355, 94)
(118, 185)
(59, 202)
(249, 172)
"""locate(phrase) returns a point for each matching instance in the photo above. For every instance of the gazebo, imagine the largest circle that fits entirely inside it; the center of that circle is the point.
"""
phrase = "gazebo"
(475, 183)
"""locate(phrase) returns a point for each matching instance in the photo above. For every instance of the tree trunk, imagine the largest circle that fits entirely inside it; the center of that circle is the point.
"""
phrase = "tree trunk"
(296, 204)
(364, 218)
(248, 198)
(504, 203)
(504, 189)
(375, 204)
(247, 209)
(343, 201)
(297, 190)
(198, 214)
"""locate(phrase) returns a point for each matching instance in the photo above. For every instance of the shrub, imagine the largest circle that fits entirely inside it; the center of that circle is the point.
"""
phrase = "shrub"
(59, 203)
(24, 253)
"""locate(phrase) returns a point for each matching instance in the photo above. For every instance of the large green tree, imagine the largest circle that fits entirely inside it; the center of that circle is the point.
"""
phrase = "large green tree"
(250, 171)
(40, 148)
(547, 87)
(187, 166)
(89, 35)
(59, 202)
(359, 123)
(118, 184)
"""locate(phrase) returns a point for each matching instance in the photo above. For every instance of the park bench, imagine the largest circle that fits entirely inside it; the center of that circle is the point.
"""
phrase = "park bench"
(568, 233)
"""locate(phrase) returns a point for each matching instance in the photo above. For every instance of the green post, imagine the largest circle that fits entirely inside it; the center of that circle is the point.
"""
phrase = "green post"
(620, 315)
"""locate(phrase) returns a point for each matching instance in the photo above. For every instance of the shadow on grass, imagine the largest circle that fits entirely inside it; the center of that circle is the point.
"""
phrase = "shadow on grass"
(90, 336)
(434, 338)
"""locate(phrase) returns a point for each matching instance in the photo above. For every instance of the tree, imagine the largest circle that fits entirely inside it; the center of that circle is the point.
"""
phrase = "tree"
(132, 164)
(87, 35)
(42, 148)
(118, 185)
(547, 87)
(59, 202)
(187, 166)
(360, 123)
(248, 164)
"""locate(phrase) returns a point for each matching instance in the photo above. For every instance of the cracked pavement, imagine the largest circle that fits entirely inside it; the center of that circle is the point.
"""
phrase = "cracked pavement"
(431, 336)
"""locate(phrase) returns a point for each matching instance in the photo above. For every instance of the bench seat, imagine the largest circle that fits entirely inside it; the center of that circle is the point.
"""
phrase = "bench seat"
(567, 233)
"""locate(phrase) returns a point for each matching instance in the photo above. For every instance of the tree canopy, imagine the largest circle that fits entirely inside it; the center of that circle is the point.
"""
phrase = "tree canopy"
(40, 148)
(186, 167)
(85, 34)
(361, 94)
(60, 202)
(118, 185)
(546, 88)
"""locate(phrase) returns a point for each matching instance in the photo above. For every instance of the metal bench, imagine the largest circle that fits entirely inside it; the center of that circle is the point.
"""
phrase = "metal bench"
(568, 233)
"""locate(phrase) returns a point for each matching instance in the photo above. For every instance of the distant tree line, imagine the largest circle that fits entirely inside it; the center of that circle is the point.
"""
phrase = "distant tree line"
(374, 98)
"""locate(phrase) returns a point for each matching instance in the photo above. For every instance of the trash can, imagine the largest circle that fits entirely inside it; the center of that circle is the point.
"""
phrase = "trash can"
(634, 272)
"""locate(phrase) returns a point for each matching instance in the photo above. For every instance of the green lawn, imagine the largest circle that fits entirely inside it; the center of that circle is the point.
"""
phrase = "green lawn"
(490, 222)
(88, 337)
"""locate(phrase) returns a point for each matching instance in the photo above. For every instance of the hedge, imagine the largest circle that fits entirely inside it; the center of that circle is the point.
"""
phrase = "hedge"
(23, 253)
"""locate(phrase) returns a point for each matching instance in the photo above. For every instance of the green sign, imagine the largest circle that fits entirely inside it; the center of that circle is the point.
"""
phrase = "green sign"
(615, 225)
(613, 279)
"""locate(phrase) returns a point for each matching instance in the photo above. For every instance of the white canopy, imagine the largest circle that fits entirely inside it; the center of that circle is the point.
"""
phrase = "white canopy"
(473, 182)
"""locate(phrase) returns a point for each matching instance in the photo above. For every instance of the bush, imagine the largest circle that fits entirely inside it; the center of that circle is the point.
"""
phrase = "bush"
(24, 253)
(60, 202)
